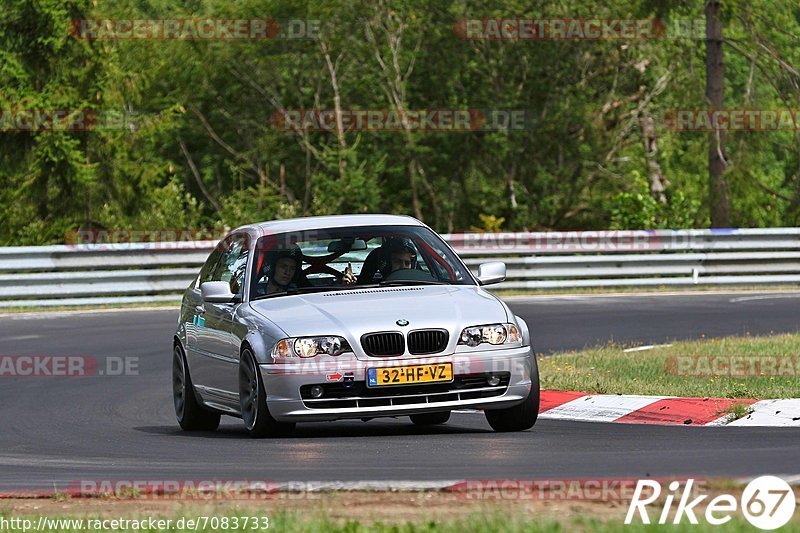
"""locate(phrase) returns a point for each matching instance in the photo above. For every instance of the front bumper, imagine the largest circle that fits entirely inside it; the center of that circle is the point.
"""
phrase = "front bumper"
(283, 384)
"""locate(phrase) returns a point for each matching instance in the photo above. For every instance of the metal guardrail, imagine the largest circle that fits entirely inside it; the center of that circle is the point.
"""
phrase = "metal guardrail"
(150, 272)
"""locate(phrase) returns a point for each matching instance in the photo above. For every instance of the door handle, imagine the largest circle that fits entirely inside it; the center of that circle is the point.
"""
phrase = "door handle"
(200, 309)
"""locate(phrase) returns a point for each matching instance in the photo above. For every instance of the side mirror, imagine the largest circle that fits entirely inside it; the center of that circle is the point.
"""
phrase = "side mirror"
(217, 292)
(490, 273)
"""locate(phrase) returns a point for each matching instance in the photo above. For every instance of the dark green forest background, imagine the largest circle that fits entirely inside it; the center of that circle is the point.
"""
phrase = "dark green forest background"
(197, 148)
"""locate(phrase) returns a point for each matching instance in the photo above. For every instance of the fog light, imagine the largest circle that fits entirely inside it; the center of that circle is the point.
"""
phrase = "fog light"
(316, 391)
(493, 381)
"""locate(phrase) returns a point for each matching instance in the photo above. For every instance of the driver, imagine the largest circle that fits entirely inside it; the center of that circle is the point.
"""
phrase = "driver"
(396, 253)
(402, 255)
(281, 270)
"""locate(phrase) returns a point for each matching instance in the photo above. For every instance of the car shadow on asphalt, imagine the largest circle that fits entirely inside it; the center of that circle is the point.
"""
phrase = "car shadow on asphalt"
(326, 430)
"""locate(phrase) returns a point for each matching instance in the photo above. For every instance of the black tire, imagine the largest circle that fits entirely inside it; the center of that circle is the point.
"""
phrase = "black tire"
(430, 419)
(522, 416)
(253, 401)
(191, 415)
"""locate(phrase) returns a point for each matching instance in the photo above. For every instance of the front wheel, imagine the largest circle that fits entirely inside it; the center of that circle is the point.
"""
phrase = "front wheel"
(190, 414)
(522, 416)
(253, 400)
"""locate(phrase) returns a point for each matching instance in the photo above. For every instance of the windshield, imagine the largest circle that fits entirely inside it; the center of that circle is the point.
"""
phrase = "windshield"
(352, 258)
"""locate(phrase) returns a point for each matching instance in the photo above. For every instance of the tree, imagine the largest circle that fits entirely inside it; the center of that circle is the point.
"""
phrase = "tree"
(715, 93)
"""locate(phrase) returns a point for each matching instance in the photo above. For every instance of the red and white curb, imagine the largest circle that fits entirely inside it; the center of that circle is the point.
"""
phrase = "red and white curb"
(631, 409)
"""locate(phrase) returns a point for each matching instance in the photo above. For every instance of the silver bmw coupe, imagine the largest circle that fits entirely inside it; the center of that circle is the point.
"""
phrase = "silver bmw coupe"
(342, 317)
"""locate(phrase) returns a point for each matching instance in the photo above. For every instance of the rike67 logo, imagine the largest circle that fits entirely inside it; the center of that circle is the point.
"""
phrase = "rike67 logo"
(767, 502)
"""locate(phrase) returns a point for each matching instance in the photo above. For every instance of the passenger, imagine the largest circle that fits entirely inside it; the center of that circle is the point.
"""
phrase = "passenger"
(349, 278)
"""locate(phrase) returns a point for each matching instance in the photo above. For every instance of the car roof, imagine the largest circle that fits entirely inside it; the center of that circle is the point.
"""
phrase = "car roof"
(334, 221)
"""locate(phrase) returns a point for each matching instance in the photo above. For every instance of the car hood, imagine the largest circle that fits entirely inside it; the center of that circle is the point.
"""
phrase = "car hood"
(352, 313)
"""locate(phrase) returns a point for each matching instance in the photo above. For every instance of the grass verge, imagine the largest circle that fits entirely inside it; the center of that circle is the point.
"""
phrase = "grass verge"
(645, 289)
(499, 523)
(176, 304)
(490, 520)
(730, 367)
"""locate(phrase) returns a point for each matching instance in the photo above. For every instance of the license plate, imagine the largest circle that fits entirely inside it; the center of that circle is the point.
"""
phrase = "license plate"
(405, 375)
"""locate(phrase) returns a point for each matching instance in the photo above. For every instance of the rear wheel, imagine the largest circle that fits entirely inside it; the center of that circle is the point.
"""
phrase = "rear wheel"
(522, 416)
(253, 400)
(190, 414)
(430, 419)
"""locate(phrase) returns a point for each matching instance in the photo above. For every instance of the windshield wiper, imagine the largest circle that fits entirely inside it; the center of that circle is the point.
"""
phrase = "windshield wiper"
(409, 282)
(315, 288)
(324, 288)
(319, 288)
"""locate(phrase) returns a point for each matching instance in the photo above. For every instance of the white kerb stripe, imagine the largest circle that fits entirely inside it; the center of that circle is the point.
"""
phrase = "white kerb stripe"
(605, 408)
(721, 421)
(772, 413)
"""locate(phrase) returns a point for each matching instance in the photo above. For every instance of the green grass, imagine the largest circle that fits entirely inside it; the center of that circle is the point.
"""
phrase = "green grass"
(698, 289)
(738, 410)
(509, 523)
(609, 370)
(90, 307)
(490, 521)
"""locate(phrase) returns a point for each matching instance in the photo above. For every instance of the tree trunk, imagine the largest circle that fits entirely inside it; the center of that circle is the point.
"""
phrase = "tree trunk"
(412, 178)
(658, 183)
(715, 95)
(337, 106)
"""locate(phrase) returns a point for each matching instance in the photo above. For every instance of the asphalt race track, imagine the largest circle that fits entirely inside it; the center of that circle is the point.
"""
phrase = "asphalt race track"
(57, 431)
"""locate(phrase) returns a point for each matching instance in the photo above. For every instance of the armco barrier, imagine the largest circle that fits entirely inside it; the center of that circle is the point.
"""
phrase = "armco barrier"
(150, 272)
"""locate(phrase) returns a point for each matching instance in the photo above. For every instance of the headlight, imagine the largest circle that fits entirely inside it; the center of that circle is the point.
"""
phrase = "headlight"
(310, 347)
(490, 334)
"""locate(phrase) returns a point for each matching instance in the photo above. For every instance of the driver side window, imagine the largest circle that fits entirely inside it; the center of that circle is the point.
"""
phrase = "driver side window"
(207, 272)
(233, 264)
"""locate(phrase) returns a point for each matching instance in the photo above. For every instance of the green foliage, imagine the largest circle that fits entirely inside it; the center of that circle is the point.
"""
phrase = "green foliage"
(489, 224)
(641, 211)
(252, 204)
(354, 190)
(634, 210)
(195, 144)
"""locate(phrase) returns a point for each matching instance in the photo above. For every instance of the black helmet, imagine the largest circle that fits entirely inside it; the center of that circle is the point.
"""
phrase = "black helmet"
(292, 253)
(400, 245)
(273, 256)
(378, 260)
